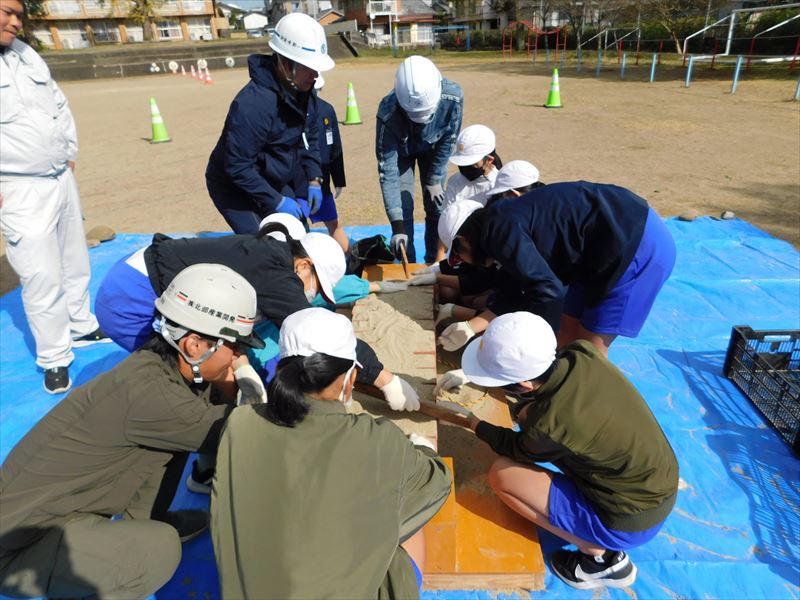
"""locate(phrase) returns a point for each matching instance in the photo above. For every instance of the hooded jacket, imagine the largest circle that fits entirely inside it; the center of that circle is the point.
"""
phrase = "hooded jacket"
(268, 134)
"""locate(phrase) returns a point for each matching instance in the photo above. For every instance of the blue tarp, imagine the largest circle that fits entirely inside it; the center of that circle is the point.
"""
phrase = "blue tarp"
(735, 531)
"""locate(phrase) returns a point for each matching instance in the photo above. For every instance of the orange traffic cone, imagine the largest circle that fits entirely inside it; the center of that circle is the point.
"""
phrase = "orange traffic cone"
(209, 81)
(194, 73)
(183, 70)
(201, 77)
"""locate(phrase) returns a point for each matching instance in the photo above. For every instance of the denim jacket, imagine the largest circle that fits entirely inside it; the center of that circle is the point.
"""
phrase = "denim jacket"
(397, 137)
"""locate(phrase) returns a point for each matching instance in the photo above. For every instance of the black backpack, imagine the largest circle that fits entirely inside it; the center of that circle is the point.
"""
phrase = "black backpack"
(369, 251)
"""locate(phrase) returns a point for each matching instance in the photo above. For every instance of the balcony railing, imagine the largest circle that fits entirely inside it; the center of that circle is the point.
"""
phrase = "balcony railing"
(60, 9)
(381, 7)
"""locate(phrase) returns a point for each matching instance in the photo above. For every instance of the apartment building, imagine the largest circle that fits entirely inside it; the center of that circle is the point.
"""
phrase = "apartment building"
(83, 23)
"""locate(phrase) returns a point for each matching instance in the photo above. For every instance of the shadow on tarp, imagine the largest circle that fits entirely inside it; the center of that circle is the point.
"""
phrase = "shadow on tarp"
(734, 530)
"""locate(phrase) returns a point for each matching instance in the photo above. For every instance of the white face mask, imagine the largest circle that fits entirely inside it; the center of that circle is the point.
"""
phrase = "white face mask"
(311, 294)
(347, 401)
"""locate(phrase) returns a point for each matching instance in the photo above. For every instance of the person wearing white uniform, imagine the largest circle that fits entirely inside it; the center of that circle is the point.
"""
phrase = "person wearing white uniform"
(477, 163)
(40, 211)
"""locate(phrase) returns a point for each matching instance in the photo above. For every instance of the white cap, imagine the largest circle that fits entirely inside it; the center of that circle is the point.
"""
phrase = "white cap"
(317, 331)
(293, 226)
(513, 175)
(516, 347)
(328, 258)
(473, 143)
(319, 83)
(453, 218)
(300, 38)
(418, 87)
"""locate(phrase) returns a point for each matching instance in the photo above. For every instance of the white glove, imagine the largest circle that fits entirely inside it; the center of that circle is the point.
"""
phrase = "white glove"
(400, 395)
(251, 388)
(389, 287)
(337, 192)
(445, 312)
(450, 381)
(422, 278)
(436, 193)
(456, 335)
(419, 440)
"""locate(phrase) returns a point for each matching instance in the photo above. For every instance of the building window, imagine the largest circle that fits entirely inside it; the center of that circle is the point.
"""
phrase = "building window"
(63, 7)
(73, 35)
(135, 31)
(105, 32)
(194, 6)
(45, 37)
(169, 29)
(199, 28)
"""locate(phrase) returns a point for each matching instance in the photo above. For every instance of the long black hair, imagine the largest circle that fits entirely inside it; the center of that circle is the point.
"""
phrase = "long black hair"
(296, 376)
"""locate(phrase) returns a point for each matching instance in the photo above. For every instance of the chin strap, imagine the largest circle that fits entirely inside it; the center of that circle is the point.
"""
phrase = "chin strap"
(289, 80)
(173, 333)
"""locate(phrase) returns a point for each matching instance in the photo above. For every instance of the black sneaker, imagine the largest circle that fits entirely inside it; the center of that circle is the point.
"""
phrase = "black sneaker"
(200, 482)
(97, 336)
(584, 572)
(189, 523)
(56, 380)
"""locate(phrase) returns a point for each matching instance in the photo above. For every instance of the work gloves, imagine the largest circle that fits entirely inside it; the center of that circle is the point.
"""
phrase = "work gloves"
(337, 192)
(445, 312)
(290, 207)
(400, 395)
(452, 380)
(397, 239)
(456, 335)
(389, 287)
(426, 276)
(436, 192)
(314, 198)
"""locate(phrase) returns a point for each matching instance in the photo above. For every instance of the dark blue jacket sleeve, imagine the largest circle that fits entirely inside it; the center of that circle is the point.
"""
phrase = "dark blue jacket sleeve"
(247, 130)
(507, 241)
(337, 155)
(310, 157)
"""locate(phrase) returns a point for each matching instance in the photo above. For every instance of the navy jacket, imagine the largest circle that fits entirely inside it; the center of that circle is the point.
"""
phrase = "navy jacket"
(268, 133)
(561, 234)
(330, 152)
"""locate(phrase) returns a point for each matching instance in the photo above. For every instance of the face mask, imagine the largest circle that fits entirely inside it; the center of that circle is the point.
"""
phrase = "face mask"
(347, 401)
(310, 295)
(471, 172)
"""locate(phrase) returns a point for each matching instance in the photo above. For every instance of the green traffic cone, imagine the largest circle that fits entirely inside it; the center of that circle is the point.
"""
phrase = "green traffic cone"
(159, 129)
(554, 97)
(352, 117)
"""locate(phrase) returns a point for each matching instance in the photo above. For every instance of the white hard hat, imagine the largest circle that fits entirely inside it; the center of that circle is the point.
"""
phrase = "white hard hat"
(473, 143)
(300, 38)
(418, 87)
(328, 258)
(513, 175)
(516, 347)
(453, 218)
(317, 331)
(212, 300)
(293, 226)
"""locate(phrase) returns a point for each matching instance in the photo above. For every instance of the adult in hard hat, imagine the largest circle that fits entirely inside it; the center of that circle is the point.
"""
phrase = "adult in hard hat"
(106, 449)
(619, 475)
(270, 131)
(417, 126)
(589, 258)
(312, 502)
(40, 208)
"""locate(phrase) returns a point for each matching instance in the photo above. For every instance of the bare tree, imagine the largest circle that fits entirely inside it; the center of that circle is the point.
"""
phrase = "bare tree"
(670, 13)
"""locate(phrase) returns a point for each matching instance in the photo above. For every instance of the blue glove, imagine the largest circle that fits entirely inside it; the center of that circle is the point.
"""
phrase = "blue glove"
(290, 207)
(314, 198)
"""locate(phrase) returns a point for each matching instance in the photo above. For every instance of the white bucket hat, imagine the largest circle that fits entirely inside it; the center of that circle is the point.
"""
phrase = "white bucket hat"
(473, 143)
(513, 175)
(453, 218)
(293, 226)
(516, 347)
(328, 258)
(317, 331)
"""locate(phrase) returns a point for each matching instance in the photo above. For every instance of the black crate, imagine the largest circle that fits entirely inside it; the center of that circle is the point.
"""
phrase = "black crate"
(765, 365)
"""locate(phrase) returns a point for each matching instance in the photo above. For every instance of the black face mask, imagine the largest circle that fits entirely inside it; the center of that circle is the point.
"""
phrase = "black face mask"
(471, 172)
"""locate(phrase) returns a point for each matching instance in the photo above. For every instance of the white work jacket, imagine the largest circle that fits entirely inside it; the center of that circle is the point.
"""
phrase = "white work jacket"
(37, 131)
(460, 188)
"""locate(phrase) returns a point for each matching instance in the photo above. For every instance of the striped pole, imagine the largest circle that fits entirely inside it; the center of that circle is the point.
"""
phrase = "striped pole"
(689, 72)
(736, 72)
(622, 65)
(653, 67)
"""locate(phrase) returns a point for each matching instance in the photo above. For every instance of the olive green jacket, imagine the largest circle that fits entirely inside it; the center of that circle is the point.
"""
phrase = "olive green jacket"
(593, 424)
(100, 445)
(319, 510)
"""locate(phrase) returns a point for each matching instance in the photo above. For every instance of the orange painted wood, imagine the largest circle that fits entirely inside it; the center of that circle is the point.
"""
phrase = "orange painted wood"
(389, 271)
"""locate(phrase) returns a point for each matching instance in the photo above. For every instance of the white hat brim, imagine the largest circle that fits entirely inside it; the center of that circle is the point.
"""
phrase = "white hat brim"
(475, 372)
(465, 160)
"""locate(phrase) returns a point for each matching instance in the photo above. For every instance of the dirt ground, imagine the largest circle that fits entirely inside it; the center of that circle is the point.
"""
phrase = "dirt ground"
(697, 148)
